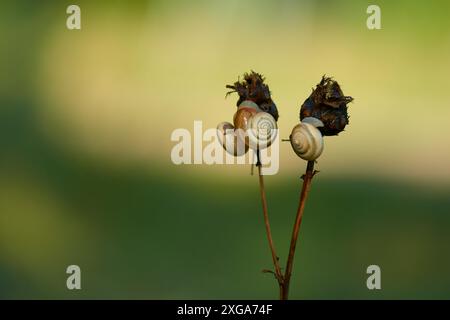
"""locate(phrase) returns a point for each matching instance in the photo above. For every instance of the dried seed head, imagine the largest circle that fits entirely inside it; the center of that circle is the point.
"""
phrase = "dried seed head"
(254, 89)
(328, 104)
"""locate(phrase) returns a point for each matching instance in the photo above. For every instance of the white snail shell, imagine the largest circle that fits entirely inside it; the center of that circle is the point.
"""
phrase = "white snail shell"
(252, 128)
(262, 130)
(306, 140)
(314, 121)
(230, 141)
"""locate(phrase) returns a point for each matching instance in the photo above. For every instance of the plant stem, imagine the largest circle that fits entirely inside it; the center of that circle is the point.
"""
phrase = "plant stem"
(307, 178)
(278, 274)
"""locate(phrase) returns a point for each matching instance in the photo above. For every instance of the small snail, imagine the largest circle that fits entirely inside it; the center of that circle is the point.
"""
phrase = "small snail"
(232, 140)
(306, 139)
(252, 128)
(245, 111)
(262, 130)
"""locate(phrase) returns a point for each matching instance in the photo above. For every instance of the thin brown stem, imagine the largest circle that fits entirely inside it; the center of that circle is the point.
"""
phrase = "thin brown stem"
(307, 178)
(278, 274)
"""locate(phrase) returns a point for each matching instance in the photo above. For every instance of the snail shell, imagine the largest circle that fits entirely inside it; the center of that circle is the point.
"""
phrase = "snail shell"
(242, 117)
(307, 141)
(262, 130)
(245, 111)
(232, 143)
(250, 105)
(314, 121)
(252, 128)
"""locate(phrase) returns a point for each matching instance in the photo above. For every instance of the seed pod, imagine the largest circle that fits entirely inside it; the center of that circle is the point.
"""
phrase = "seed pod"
(328, 104)
(253, 88)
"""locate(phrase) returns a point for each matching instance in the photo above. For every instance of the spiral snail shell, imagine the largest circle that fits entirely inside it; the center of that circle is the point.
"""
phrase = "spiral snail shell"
(306, 139)
(252, 128)
(262, 130)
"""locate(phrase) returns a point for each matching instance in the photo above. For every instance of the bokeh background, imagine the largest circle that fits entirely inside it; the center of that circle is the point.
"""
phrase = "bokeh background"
(85, 170)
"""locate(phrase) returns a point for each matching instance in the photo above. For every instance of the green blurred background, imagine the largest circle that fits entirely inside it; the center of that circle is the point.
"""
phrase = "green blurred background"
(85, 170)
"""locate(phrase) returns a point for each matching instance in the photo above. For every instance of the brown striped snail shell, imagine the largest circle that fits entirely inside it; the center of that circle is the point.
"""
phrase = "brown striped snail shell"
(233, 137)
(241, 118)
(306, 139)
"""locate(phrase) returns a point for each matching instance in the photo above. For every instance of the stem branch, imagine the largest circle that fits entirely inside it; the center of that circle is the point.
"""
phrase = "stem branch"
(307, 178)
(278, 274)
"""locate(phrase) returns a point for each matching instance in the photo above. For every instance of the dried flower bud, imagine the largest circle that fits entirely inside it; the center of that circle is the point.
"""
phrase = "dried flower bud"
(328, 104)
(254, 89)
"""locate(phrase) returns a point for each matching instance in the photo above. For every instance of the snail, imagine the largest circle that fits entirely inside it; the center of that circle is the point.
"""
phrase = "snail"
(232, 140)
(252, 128)
(306, 139)
(242, 116)
(262, 130)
